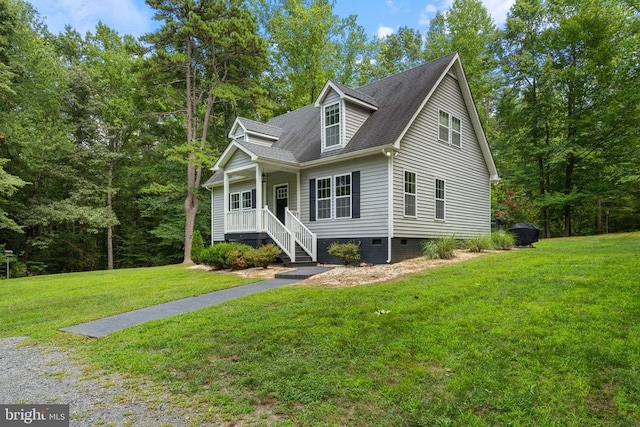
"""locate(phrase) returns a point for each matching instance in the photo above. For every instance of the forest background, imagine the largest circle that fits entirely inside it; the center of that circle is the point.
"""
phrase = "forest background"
(105, 139)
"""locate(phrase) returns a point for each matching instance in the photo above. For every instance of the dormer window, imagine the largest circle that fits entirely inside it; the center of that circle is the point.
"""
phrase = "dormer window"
(332, 132)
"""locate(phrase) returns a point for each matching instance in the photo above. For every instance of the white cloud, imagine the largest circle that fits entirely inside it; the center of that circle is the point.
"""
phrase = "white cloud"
(427, 14)
(384, 31)
(498, 9)
(124, 16)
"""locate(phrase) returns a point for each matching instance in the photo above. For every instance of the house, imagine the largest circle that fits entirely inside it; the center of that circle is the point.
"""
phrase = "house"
(388, 165)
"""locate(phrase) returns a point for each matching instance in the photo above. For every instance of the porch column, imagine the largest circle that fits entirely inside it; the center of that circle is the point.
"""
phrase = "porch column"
(259, 204)
(298, 191)
(225, 195)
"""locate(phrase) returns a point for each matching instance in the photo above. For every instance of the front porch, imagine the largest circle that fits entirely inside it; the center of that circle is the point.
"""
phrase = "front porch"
(258, 197)
(293, 237)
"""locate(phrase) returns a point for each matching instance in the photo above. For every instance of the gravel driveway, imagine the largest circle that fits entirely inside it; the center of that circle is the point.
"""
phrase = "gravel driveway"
(33, 374)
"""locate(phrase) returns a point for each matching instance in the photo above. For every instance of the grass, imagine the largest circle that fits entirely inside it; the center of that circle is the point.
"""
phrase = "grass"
(39, 306)
(544, 336)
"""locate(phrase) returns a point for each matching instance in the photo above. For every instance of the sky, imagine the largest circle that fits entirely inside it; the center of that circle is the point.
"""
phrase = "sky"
(378, 17)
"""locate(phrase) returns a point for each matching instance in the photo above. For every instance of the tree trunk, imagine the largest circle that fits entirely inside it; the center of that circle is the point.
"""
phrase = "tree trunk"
(109, 227)
(191, 200)
(568, 188)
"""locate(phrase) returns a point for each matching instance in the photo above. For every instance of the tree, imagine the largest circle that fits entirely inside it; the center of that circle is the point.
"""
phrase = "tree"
(211, 50)
(467, 28)
(309, 44)
(396, 52)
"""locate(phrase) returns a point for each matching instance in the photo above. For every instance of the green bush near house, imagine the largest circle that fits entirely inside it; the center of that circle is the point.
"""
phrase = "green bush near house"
(263, 256)
(479, 243)
(503, 240)
(226, 255)
(440, 248)
(197, 246)
(347, 253)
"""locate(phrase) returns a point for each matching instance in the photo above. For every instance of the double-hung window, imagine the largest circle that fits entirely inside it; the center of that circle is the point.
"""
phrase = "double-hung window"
(440, 200)
(234, 202)
(449, 129)
(323, 188)
(246, 200)
(410, 192)
(332, 126)
(343, 196)
(241, 201)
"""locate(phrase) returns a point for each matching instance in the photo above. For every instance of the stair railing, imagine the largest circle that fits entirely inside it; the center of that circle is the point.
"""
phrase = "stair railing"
(305, 238)
(279, 233)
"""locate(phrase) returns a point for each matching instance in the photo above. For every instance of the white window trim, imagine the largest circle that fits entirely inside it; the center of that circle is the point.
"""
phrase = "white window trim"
(340, 125)
(240, 195)
(336, 197)
(436, 199)
(333, 198)
(330, 198)
(450, 130)
(404, 194)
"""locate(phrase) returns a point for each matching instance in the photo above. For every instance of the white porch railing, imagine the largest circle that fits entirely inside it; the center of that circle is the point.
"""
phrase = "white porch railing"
(285, 235)
(279, 233)
(241, 221)
(305, 238)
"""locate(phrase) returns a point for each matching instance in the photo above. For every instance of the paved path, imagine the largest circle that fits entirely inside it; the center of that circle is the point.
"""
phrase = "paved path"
(102, 327)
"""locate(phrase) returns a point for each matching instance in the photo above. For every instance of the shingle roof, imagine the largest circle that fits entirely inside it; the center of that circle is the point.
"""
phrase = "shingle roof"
(356, 94)
(398, 98)
(257, 127)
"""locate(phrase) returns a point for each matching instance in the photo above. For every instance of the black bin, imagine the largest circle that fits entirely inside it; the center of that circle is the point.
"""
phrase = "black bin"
(526, 234)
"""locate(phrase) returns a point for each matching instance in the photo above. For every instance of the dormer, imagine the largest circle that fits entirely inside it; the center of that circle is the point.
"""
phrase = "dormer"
(255, 132)
(342, 111)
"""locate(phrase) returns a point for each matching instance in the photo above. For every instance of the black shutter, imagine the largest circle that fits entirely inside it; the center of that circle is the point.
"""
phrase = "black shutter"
(253, 199)
(355, 194)
(312, 200)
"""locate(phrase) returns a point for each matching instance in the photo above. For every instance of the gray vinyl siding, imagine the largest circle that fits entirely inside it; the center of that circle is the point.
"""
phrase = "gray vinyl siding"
(279, 178)
(239, 160)
(239, 134)
(218, 214)
(373, 219)
(355, 117)
(467, 188)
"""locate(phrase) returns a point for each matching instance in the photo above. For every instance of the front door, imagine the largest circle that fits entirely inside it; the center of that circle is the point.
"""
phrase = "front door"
(282, 200)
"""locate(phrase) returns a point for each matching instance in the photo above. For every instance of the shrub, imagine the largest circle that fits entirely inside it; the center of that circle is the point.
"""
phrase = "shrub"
(440, 248)
(503, 240)
(225, 255)
(263, 256)
(479, 243)
(347, 253)
(197, 246)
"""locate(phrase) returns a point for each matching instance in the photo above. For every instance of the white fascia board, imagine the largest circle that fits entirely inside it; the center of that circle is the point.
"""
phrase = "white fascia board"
(228, 152)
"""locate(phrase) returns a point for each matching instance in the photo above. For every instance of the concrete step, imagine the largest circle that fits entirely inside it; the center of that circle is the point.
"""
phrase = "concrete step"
(302, 273)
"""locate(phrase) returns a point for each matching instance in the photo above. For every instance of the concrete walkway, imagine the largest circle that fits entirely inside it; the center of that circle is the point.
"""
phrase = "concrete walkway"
(102, 327)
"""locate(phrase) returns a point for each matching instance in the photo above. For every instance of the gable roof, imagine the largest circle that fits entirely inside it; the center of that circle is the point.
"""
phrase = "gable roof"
(345, 92)
(395, 101)
(255, 128)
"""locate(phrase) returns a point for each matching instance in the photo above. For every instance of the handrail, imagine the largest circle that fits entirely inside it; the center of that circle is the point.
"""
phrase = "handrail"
(279, 233)
(244, 220)
(305, 237)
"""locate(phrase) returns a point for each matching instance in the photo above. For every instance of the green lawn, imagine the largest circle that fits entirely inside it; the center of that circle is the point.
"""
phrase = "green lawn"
(39, 306)
(544, 336)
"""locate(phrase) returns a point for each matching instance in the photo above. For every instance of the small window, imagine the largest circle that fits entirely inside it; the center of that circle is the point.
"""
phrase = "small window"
(343, 196)
(282, 192)
(376, 242)
(403, 242)
(323, 191)
(332, 126)
(456, 131)
(440, 200)
(234, 204)
(246, 200)
(449, 129)
(443, 128)
(410, 191)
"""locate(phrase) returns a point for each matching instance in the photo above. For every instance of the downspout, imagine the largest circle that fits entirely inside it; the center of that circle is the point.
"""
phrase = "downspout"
(390, 156)
(212, 230)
